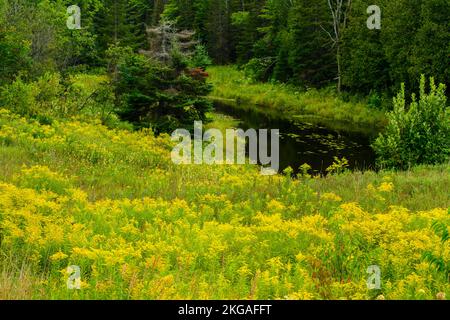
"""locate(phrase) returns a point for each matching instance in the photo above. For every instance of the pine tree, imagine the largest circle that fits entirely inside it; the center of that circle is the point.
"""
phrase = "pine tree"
(244, 25)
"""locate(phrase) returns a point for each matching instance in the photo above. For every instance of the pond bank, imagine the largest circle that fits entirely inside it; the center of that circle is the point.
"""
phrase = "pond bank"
(314, 106)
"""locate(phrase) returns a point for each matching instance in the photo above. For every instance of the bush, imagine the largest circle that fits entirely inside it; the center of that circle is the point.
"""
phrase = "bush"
(419, 134)
(259, 69)
(15, 56)
(91, 95)
(50, 96)
(375, 101)
(19, 97)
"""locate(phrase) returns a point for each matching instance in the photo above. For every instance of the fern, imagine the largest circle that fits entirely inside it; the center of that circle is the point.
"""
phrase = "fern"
(441, 230)
(439, 263)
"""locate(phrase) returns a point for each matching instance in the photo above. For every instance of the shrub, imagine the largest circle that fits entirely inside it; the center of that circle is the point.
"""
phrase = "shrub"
(50, 96)
(19, 97)
(91, 95)
(375, 101)
(259, 69)
(419, 134)
(15, 56)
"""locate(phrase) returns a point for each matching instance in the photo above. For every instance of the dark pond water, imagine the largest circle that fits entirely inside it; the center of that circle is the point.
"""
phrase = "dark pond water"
(305, 142)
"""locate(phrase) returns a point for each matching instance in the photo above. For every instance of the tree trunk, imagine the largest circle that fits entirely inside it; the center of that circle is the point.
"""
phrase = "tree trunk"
(338, 60)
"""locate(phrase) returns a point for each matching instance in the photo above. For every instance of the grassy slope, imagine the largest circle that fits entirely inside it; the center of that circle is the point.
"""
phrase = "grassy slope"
(203, 231)
(314, 105)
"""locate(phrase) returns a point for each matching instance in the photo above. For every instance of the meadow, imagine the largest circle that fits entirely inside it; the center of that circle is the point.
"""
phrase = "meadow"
(75, 192)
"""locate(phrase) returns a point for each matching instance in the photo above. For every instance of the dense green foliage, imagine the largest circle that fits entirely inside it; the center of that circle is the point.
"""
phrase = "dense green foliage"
(418, 133)
(50, 96)
(273, 40)
(287, 40)
(48, 70)
(280, 40)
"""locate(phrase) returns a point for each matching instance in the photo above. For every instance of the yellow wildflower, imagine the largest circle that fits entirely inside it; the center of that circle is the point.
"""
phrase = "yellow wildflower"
(331, 197)
(58, 256)
(386, 187)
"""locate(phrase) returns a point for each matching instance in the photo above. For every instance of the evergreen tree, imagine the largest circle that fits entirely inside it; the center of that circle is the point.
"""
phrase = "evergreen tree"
(431, 49)
(158, 88)
(120, 22)
(401, 20)
(270, 49)
(365, 65)
(244, 26)
(310, 59)
(218, 36)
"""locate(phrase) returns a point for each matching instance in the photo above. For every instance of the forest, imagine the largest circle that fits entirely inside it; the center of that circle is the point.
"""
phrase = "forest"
(93, 94)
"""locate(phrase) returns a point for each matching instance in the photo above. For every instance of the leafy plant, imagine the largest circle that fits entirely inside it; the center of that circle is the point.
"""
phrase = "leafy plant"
(418, 133)
(338, 166)
(259, 69)
(438, 261)
(304, 170)
(374, 101)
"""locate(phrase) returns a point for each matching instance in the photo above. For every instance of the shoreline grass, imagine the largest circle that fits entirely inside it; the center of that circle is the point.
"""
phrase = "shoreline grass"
(320, 106)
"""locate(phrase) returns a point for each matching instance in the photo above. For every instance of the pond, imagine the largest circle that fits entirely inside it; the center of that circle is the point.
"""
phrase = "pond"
(303, 142)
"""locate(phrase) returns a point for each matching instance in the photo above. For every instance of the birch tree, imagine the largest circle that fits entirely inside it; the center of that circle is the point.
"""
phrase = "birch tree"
(340, 10)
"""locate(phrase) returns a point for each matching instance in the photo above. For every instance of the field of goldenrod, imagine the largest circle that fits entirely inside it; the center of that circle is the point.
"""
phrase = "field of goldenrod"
(112, 203)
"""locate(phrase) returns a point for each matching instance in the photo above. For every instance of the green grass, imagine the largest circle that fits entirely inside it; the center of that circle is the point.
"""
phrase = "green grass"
(221, 122)
(321, 106)
(419, 188)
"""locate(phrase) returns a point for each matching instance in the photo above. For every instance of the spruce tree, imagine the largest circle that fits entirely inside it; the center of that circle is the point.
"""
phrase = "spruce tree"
(158, 88)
